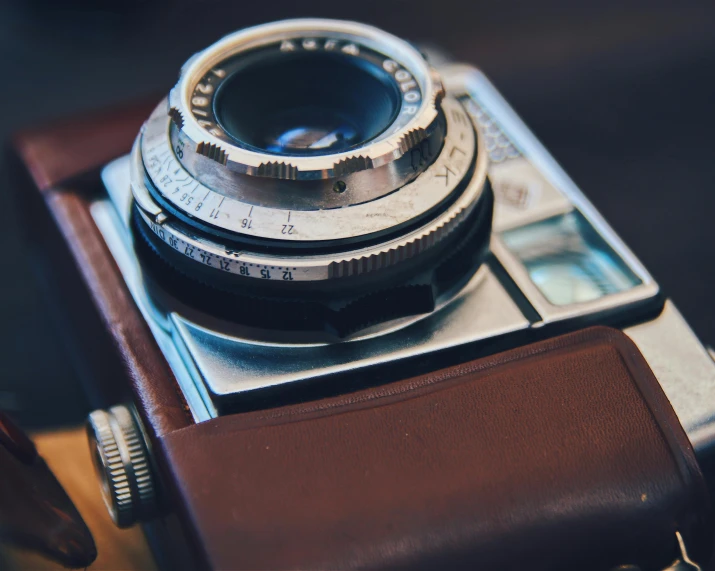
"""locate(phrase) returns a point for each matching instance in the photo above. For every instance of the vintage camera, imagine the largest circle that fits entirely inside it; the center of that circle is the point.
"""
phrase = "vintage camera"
(317, 210)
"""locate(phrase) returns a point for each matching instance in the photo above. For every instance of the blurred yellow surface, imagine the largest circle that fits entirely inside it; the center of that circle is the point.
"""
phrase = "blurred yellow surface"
(67, 454)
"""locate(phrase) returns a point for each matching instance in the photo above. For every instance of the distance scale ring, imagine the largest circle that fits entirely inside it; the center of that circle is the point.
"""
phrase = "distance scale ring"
(207, 251)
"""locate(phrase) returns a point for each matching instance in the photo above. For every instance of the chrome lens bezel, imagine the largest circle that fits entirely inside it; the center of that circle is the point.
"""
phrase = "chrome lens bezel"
(389, 146)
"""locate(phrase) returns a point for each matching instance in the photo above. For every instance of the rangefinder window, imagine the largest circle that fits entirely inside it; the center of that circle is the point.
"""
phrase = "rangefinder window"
(569, 261)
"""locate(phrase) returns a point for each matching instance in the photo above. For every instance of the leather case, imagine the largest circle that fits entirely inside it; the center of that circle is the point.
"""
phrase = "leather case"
(559, 455)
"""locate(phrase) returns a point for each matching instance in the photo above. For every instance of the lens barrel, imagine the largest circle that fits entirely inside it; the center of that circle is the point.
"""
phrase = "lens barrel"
(314, 169)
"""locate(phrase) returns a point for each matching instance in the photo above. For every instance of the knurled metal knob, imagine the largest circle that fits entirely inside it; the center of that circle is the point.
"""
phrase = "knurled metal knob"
(121, 459)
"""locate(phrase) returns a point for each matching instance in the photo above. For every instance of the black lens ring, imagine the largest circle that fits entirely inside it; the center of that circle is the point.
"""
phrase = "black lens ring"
(340, 308)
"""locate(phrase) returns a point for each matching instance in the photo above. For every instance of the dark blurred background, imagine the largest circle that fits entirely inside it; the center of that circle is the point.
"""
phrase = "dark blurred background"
(621, 92)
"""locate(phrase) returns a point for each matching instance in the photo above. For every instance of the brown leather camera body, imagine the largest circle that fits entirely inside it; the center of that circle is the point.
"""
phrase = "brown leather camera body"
(557, 455)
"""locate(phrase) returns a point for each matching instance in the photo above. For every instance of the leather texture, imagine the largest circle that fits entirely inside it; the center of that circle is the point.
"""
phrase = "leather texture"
(559, 455)
(62, 162)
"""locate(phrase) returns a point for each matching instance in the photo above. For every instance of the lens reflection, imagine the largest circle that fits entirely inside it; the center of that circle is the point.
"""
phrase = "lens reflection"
(306, 104)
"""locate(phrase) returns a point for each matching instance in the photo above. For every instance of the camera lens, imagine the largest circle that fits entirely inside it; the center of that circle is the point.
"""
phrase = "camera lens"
(303, 104)
(316, 174)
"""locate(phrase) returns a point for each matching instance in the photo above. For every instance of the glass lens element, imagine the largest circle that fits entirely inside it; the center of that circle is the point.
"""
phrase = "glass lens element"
(309, 103)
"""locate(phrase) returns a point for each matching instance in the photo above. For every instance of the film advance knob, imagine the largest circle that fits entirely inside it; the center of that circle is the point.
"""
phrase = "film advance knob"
(121, 460)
